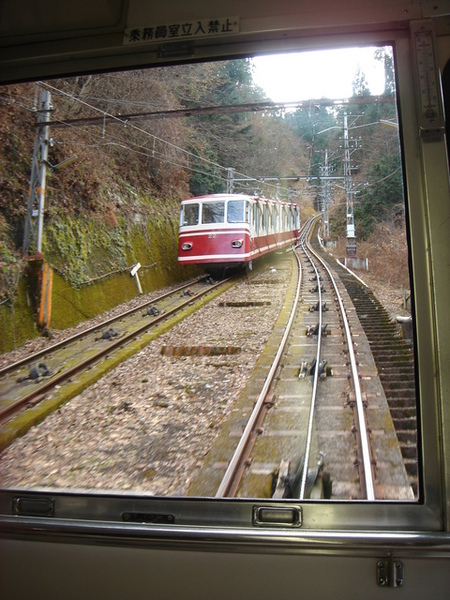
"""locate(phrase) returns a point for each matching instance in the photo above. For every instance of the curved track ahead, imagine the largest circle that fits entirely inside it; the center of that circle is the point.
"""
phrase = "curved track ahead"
(302, 383)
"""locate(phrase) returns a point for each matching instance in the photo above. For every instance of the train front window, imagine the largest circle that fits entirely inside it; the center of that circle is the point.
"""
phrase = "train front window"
(190, 214)
(213, 212)
(166, 423)
(236, 212)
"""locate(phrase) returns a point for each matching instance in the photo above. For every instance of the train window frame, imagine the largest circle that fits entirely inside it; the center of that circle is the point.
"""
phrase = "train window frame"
(254, 217)
(172, 520)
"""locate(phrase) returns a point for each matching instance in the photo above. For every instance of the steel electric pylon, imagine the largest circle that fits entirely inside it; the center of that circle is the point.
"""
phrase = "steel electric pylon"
(348, 184)
(325, 172)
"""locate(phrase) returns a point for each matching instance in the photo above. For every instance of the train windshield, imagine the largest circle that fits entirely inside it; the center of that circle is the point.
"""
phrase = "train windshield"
(189, 214)
(236, 211)
(168, 421)
(213, 212)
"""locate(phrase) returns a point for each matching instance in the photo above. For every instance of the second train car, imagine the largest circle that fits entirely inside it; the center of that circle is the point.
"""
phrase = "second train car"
(220, 231)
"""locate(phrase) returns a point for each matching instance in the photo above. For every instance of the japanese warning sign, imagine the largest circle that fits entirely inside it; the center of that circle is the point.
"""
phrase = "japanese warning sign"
(181, 30)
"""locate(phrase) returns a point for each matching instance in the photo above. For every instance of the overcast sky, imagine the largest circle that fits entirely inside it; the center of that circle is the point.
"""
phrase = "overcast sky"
(326, 73)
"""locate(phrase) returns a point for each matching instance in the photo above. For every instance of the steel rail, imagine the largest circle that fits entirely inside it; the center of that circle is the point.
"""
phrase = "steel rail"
(113, 345)
(366, 459)
(36, 355)
(236, 460)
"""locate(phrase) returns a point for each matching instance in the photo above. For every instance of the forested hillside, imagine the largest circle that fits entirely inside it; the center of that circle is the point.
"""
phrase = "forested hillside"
(126, 170)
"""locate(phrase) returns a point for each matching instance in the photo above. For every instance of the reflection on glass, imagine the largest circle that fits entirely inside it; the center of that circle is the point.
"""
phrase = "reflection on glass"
(162, 424)
(236, 211)
(213, 212)
(190, 214)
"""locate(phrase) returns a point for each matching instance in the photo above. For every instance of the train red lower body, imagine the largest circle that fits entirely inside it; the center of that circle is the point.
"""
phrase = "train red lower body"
(229, 247)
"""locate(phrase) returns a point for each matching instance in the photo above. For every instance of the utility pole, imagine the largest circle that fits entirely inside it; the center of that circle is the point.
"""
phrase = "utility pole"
(351, 237)
(230, 180)
(325, 172)
(34, 221)
(41, 272)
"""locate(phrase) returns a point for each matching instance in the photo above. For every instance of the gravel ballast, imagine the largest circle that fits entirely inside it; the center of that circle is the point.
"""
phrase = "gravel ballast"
(147, 425)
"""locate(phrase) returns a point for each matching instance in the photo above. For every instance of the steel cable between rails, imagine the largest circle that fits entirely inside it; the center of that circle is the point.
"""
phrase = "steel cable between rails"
(366, 458)
(316, 377)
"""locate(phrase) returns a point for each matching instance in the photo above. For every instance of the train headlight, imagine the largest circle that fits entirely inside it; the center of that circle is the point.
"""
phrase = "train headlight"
(186, 246)
(237, 243)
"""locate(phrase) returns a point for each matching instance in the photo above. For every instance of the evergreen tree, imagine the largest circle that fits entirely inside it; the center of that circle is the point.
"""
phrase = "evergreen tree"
(382, 200)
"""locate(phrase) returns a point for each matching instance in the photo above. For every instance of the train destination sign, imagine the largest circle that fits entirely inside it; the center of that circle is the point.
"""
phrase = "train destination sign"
(181, 30)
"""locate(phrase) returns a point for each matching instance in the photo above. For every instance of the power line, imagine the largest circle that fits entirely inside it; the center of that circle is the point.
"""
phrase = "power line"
(142, 149)
(221, 110)
(134, 127)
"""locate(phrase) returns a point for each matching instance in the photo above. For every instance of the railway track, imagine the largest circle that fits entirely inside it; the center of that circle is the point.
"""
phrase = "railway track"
(104, 325)
(320, 424)
(292, 413)
(24, 383)
(394, 359)
(148, 424)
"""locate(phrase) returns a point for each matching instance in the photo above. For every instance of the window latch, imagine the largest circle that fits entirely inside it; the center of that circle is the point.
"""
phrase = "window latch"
(390, 573)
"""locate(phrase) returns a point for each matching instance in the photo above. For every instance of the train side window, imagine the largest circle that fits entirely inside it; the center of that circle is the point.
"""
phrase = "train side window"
(236, 211)
(255, 217)
(265, 219)
(258, 217)
(213, 212)
(248, 212)
(269, 222)
(190, 214)
(275, 217)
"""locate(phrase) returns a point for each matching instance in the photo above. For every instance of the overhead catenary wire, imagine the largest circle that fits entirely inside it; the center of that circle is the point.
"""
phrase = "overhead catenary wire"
(154, 153)
(119, 142)
(114, 140)
(163, 141)
(126, 123)
(157, 138)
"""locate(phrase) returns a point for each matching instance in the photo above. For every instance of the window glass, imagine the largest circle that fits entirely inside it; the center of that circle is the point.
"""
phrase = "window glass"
(190, 214)
(255, 216)
(236, 211)
(265, 220)
(248, 212)
(275, 217)
(213, 212)
(139, 412)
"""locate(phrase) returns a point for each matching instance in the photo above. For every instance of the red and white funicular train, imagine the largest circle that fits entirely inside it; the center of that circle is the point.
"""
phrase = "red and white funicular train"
(228, 230)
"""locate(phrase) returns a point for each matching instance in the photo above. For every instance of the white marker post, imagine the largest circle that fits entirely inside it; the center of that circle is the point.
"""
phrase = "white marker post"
(134, 273)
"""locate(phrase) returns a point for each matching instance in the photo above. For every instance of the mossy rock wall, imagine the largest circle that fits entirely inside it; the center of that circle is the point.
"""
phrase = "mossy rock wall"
(17, 321)
(92, 263)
